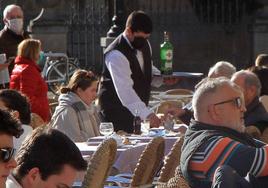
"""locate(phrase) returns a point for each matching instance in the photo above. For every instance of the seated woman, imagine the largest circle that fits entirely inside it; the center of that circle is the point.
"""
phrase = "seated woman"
(76, 116)
(27, 79)
(18, 106)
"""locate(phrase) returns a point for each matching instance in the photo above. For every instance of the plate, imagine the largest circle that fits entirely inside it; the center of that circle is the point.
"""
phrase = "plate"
(156, 132)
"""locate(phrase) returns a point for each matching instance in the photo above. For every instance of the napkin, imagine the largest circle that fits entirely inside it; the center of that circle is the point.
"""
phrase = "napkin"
(118, 139)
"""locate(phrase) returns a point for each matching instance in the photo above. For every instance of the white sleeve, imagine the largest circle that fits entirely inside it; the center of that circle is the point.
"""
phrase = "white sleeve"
(120, 72)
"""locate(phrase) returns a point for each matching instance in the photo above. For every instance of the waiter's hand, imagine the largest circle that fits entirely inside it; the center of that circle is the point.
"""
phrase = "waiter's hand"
(154, 120)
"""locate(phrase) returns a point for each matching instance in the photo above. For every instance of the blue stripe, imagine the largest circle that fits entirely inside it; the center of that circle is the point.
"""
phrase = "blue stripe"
(216, 163)
(196, 156)
(232, 153)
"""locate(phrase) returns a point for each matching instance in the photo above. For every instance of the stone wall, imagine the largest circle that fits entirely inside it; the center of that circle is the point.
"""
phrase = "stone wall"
(200, 38)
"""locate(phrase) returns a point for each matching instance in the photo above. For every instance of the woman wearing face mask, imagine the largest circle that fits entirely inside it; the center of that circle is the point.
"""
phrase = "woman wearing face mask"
(27, 79)
(76, 116)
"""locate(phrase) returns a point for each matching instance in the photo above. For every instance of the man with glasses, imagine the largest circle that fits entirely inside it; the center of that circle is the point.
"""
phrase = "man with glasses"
(126, 78)
(9, 127)
(216, 137)
(47, 159)
(256, 114)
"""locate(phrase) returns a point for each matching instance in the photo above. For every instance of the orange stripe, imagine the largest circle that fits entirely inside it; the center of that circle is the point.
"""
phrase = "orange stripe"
(228, 153)
(264, 170)
(213, 156)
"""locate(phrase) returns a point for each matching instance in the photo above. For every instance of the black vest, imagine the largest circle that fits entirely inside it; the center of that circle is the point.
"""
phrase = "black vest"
(111, 107)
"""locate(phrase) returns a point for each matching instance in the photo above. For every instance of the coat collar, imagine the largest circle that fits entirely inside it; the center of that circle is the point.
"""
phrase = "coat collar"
(23, 60)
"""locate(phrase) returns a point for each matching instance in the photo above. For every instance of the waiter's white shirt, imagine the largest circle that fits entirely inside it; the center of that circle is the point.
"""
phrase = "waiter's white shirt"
(120, 71)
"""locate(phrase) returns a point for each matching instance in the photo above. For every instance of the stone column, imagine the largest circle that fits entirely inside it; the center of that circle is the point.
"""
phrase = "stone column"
(117, 24)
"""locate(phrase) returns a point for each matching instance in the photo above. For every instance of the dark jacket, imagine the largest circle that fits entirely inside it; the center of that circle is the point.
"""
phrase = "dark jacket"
(9, 42)
(256, 115)
(111, 107)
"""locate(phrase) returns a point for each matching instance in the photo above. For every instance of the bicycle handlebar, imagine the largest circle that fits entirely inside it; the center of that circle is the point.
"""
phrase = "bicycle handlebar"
(51, 54)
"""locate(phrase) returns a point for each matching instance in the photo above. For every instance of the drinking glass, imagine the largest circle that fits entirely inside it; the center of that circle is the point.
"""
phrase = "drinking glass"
(145, 126)
(169, 123)
(106, 128)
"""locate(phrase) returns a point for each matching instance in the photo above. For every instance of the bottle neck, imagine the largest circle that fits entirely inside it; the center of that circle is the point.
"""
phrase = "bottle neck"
(166, 37)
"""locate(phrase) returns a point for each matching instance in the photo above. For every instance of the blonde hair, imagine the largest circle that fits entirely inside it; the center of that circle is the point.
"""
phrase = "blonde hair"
(30, 49)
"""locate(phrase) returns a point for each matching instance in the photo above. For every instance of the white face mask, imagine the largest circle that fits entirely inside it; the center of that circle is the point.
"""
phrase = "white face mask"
(16, 25)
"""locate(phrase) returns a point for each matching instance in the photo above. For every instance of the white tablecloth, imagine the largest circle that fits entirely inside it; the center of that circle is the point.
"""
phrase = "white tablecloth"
(127, 155)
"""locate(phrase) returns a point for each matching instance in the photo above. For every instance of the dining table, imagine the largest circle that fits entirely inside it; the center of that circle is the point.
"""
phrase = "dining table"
(127, 154)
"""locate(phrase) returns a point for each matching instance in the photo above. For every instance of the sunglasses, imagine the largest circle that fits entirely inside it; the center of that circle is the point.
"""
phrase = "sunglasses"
(6, 154)
(236, 101)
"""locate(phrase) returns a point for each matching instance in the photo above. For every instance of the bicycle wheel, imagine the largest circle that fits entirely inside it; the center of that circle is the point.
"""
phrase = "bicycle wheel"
(56, 75)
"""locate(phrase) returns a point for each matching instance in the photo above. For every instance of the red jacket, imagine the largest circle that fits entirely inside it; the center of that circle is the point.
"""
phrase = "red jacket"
(27, 79)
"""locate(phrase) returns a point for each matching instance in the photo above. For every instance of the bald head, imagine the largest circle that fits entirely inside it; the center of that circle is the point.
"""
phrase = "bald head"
(12, 12)
(222, 68)
(249, 83)
(13, 19)
(215, 99)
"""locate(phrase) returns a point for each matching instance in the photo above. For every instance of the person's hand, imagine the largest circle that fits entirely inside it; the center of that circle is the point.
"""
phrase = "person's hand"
(175, 111)
(154, 120)
(170, 80)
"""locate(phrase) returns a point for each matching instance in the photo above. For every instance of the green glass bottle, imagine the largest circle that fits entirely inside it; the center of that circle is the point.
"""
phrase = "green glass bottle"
(166, 56)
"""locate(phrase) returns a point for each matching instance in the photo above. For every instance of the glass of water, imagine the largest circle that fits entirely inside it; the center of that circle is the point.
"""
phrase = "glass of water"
(106, 128)
(145, 126)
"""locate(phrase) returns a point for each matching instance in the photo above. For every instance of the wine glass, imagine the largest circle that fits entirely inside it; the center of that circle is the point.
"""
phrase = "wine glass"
(169, 123)
(106, 128)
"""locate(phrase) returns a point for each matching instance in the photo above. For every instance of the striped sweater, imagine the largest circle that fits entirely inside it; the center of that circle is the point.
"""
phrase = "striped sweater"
(220, 150)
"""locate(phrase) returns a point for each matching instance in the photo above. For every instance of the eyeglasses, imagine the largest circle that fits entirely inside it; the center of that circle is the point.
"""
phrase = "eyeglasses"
(237, 101)
(6, 154)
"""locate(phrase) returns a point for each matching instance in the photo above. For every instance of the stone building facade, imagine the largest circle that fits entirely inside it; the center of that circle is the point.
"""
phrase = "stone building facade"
(202, 32)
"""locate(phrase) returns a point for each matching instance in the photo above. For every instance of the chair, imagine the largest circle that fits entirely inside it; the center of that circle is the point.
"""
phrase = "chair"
(188, 94)
(165, 105)
(253, 131)
(179, 92)
(36, 121)
(264, 136)
(264, 101)
(100, 164)
(149, 162)
(52, 106)
(177, 181)
(53, 103)
(172, 160)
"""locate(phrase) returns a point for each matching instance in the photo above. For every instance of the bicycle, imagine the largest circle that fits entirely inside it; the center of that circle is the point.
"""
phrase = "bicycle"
(57, 70)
